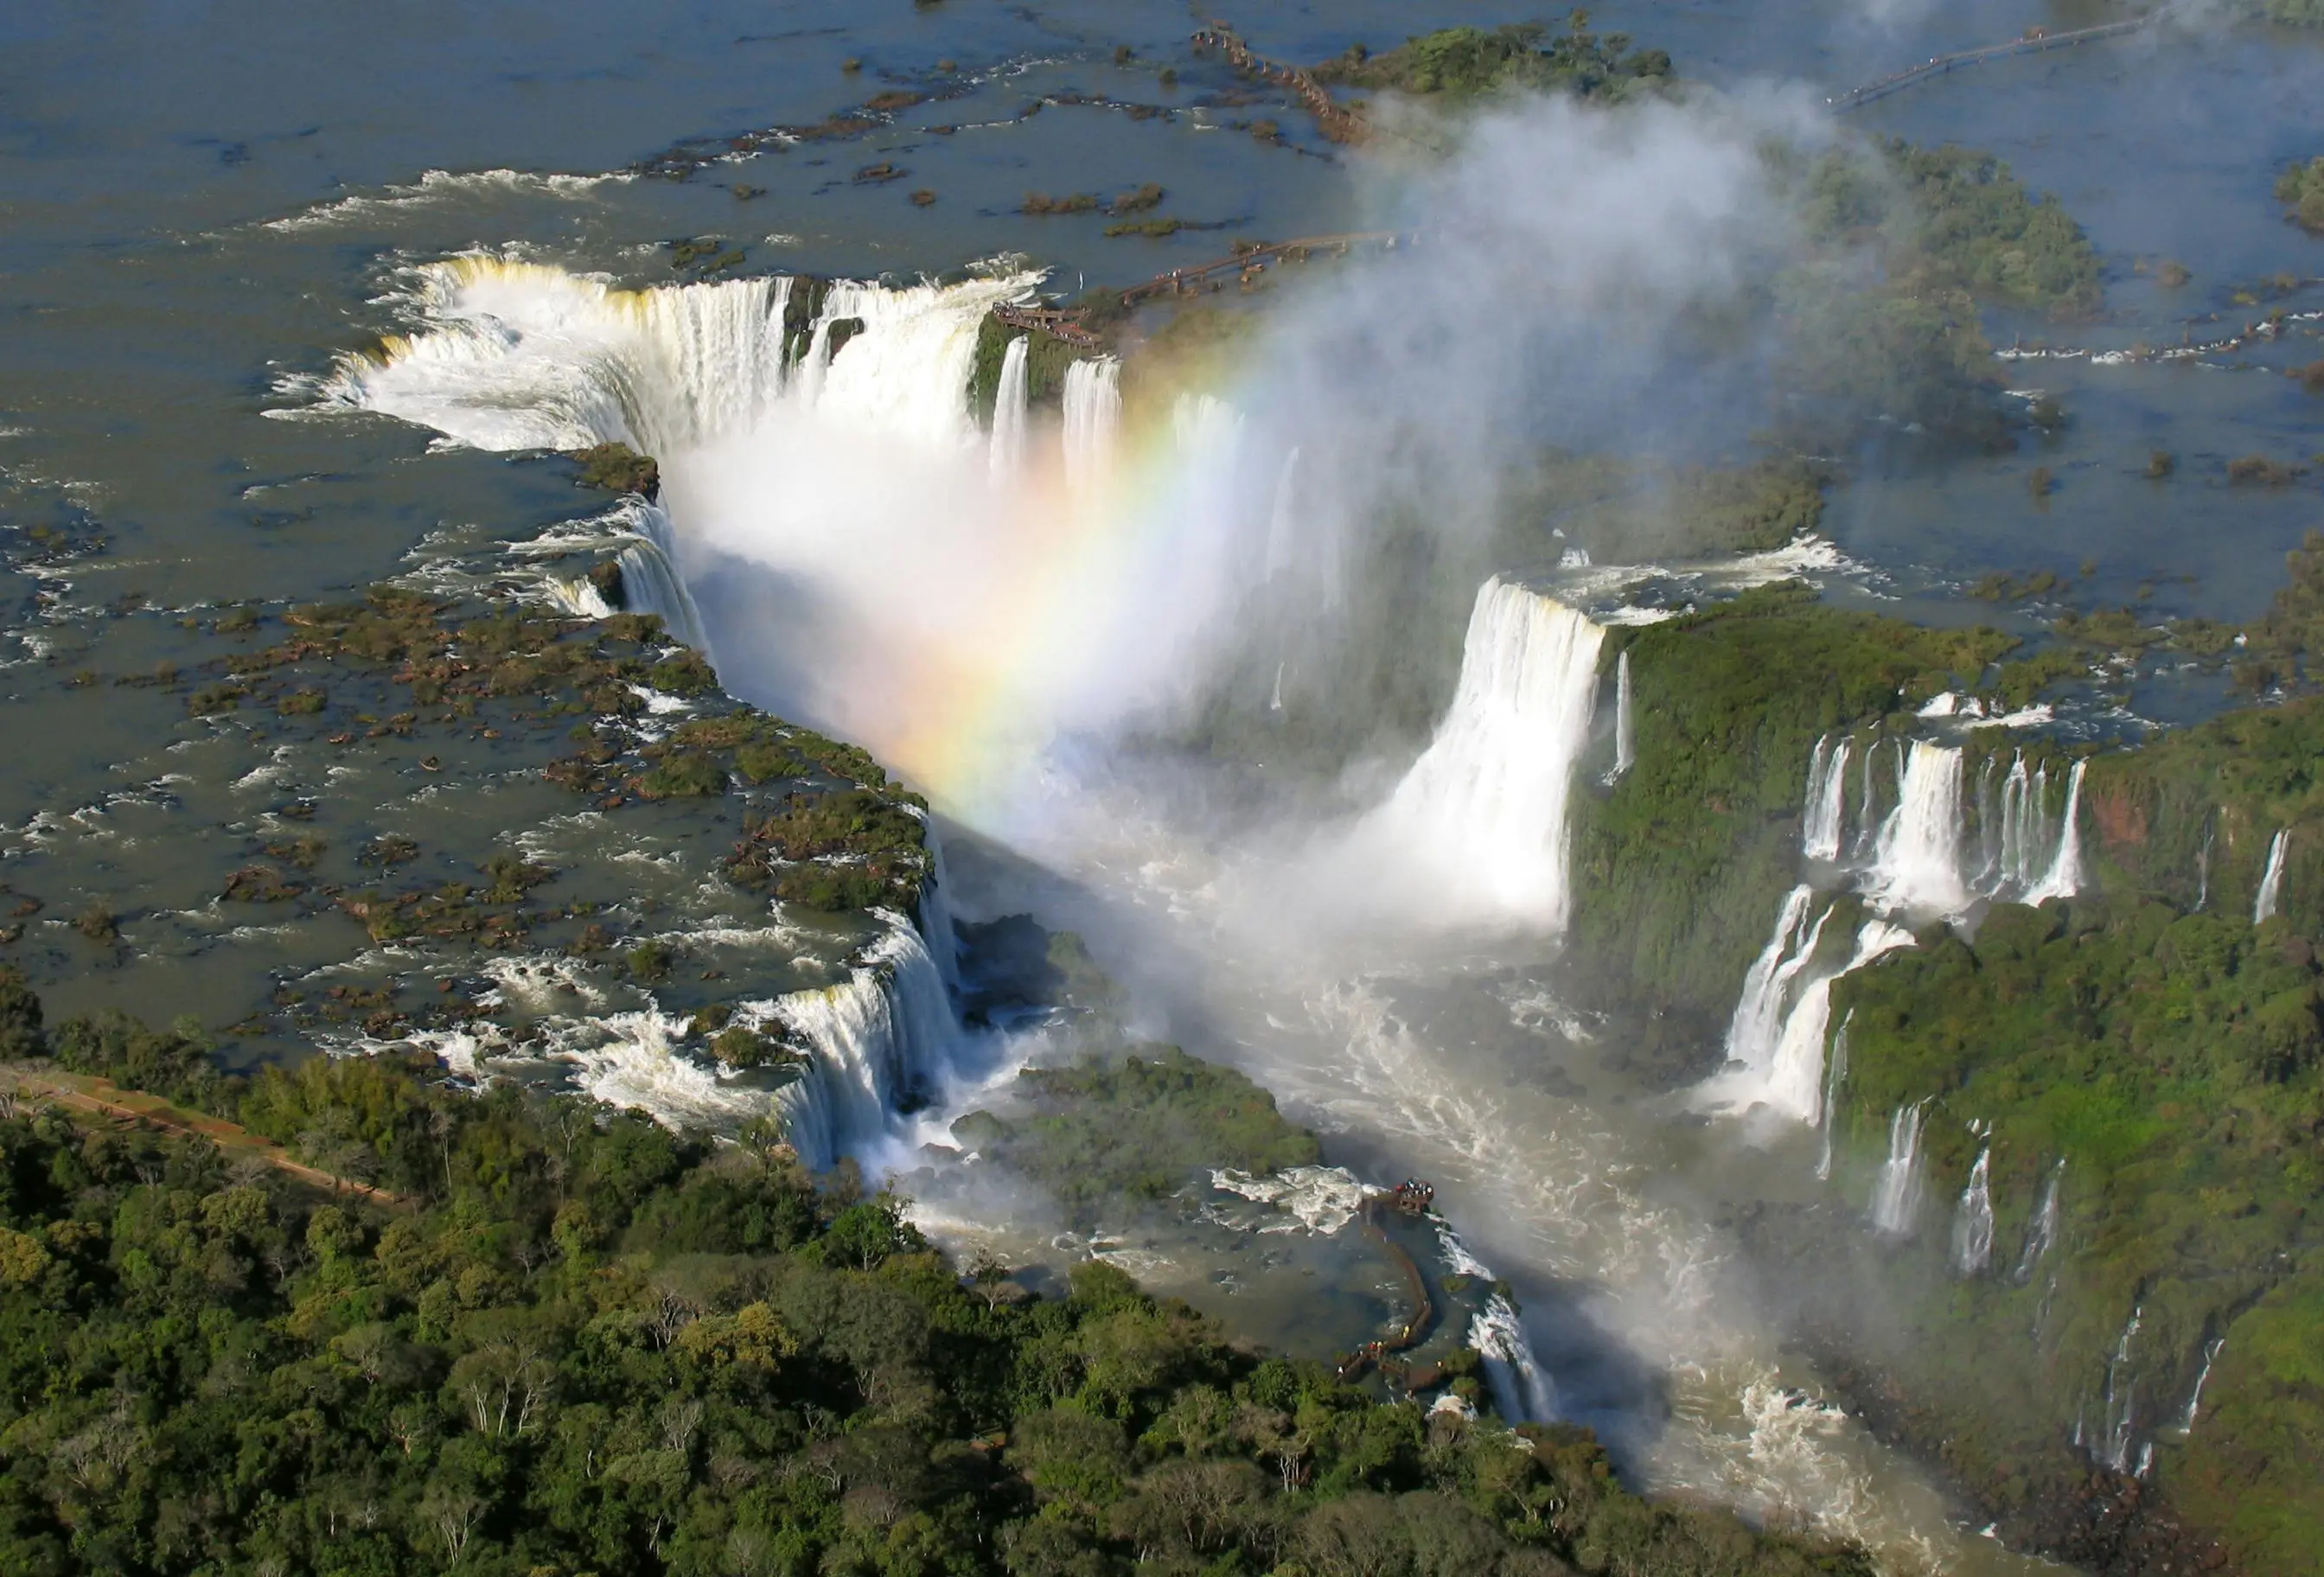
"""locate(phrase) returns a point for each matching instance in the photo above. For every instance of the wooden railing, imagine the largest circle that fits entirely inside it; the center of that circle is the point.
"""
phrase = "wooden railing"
(2033, 42)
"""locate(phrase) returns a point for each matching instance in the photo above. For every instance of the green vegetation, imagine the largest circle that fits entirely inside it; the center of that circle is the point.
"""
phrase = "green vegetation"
(1461, 62)
(2174, 1063)
(851, 848)
(1950, 228)
(2297, 13)
(1679, 867)
(618, 468)
(2300, 188)
(1047, 357)
(593, 1345)
(1189, 1117)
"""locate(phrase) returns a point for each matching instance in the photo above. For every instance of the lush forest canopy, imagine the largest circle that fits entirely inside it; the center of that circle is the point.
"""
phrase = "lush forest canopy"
(594, 1345)
(1464, 61)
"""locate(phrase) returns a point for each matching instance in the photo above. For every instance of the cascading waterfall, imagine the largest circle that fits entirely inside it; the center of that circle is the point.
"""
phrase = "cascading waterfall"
(1835, 1075)
(2042, 1229)
(1092, 403)
(1752, 1032)
(1973, 1220)
(1866, 831)
(1796, 1080)
(1896, 1197)
(1483, 810)
(2024, 854)
(2113, 1446)
(528, 358)
(1010, 413)
(1917, 855)
(651, 583)
(1625, 748)
(1827, 799)
(1521, 1391)
(1775, 1042)
(880, 1040)
(2203, 870)
(2271, 881)
(2063, 877)
(2211, 1350)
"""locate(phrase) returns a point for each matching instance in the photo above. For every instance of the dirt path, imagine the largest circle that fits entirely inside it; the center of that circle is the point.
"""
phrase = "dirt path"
(106, 1099)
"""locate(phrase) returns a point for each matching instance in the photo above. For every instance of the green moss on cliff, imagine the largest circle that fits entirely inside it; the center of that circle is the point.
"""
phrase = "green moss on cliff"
(1678, 867)
(2175, 1064)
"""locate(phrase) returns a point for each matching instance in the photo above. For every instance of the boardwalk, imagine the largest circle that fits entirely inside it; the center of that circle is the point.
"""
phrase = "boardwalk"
(1057, 322)
(1248, 263)
(103, 1098)
(2033, 42)
(1338, 123)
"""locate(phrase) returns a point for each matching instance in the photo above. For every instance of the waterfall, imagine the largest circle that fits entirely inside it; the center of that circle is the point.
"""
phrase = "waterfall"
(2203, 868)
(2064, 877)
(651, 583)
(1835, 1075)
(1865, 829)
(1896, 1197)
(1092, 399)
(2120, 1402)
(1483, 810)
(1775, 1042)
(878, 1041)
(1274, 700)
(1279, 519)
(1826, 807)
(1916, 858)
(2202, 1376)
(1010, 414)
(1795, 1078)
(523, 356)
(1752, 1032)
(1625, 748)
(1973, 1221)
(2041, 1231)
(1521, 1391)
(2271, 881)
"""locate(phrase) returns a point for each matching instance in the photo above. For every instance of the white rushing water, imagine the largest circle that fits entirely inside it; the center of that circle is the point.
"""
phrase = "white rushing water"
(1973, 1219)
(2271, 880)
(651, 583)
(1827, 799)
(1482, 813)
(1520, 1388)
(879, 1038)
(1897, 1194)
(1835, 1075)
(2119, 1430)
(1092, 413)
(2042, 1229)
(1010, 410)
(1626, 740)
(1777, 1041)
(1916, 858)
